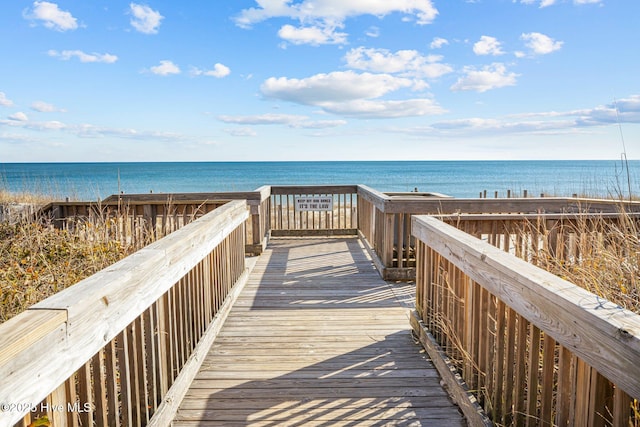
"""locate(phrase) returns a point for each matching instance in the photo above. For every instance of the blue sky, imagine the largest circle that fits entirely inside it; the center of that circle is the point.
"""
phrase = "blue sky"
(227, 80)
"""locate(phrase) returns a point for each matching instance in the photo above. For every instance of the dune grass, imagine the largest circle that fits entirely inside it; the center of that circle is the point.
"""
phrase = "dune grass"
(37, 260)
(7, 197)
(600, 255)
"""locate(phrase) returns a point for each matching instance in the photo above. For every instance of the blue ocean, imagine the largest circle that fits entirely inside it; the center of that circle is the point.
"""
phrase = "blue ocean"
(93, 181)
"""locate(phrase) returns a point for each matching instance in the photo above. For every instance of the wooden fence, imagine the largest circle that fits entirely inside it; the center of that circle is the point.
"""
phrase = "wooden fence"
(385, 219)
(536, 237)
(135, 223)
(521, 343)
(120, 347)
(139, 219)
(289, 218)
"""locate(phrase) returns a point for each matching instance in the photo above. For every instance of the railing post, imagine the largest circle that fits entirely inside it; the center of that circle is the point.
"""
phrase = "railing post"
(387, 242)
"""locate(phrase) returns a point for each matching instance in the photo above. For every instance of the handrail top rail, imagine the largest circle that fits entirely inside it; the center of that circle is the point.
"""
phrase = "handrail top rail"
(99, 307)
(260, 194)
(139, 202)
(374, 196)
(25, 329)
(388, 202)
(450, 205)
(418, 195)
(313, 189)
(532, 216)
(264, 191)
(603, 334)
(182, 197)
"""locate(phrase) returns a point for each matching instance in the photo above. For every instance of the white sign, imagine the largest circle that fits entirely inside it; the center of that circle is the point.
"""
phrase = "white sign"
(315, 203)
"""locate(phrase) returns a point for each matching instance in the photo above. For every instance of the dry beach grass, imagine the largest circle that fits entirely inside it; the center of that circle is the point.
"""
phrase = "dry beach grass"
(38, 260)
(600, 255)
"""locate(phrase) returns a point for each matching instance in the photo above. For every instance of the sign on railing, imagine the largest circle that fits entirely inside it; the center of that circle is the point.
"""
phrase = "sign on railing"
(315, 203)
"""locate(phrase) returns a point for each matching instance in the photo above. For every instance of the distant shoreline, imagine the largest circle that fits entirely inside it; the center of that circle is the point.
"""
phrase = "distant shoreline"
(314, 161)
(91, 181)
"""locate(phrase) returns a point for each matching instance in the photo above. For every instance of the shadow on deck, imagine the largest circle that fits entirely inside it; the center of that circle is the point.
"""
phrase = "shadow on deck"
(317, 338)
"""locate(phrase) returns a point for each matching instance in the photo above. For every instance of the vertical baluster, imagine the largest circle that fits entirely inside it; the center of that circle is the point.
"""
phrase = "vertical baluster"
(533, 376)
(84, 400)
(566, 385)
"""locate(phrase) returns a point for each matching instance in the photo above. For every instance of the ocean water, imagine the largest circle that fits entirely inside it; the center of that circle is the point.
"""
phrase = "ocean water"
(93, 181)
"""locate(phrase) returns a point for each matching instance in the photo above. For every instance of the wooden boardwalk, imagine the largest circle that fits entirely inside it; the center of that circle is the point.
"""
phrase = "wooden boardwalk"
(317, 339)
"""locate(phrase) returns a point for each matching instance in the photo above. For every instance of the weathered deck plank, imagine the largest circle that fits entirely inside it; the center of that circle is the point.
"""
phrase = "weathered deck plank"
(317, 338)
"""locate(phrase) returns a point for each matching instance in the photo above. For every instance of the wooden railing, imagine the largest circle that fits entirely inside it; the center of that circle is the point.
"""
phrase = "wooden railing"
(120, 347)
(536, 237)
(139, 219)
(287, 219)
(521, 343)
(384, 219)
(132, 222)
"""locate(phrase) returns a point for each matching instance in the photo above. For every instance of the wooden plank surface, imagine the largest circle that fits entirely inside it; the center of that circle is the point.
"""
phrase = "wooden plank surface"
(317, 338)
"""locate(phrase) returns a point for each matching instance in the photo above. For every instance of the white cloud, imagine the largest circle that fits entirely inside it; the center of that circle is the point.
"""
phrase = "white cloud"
(333, 87)
(19, 117)
(4, 101)
(313, 35)
(481, 80)
(540, 44)
(351, 94)
(546, 3)
(336, 10)
(145, 19)
(479, 126)
(43, 107)
(243, 131)
(626, 110)
(488, 45)
(543, 3)
(380, 109)
(165, 68)
(373, 32)
(291, 120)
(321, 124)
(405, 62)
(630, 104)
(320, 18)
(219, 71)
(438, 42)
(15, 138)
(263, 119)
(52, 17)
(551, 122)
(22, 121)
(66, 55)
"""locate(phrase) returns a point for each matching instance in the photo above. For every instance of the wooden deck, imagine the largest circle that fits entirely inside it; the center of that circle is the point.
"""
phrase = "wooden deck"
(317, 338)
